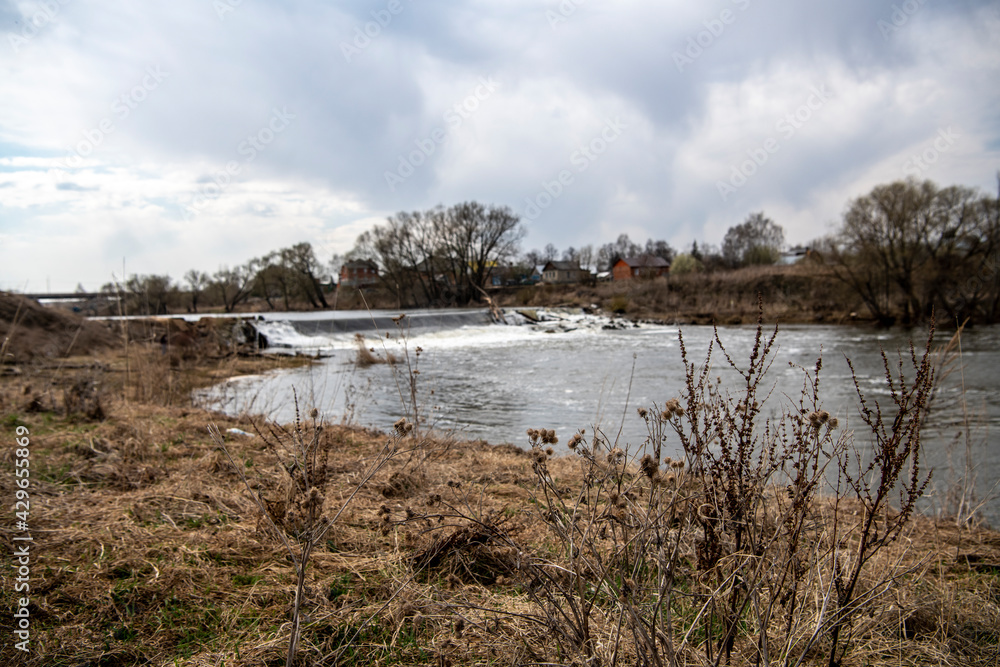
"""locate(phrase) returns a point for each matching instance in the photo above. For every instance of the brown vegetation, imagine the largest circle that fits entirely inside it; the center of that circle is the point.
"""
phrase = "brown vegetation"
(367, 356)
(805, 293)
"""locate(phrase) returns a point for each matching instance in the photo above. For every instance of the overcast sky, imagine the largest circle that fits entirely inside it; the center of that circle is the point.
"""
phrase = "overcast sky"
(197, 133)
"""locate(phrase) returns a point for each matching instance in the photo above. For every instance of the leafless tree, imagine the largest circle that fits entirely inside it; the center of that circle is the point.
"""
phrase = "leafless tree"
(442, 255)
(197, 282)
(758, 240)
(909, 246)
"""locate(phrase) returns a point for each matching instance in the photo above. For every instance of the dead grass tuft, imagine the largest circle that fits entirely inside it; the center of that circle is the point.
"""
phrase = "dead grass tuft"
(479, 553)
(366, 356)
(401, 485)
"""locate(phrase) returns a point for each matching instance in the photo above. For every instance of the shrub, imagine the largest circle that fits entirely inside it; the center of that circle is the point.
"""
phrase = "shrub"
(726, 552)
(618, 303)
(684, 264)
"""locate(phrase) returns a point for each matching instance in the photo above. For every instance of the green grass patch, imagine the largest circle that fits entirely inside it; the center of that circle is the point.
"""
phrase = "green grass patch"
(341, 585)
(246, 579)
(192, 624)
(12, 421)
(375, 642)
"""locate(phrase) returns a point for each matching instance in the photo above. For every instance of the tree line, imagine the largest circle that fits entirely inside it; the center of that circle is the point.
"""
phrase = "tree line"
(282, 278)
(911, 249)
(906, 249)
(443, 256)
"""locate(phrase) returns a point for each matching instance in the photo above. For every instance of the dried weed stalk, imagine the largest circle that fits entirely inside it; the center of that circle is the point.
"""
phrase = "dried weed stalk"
(894, 466)
(296, 514)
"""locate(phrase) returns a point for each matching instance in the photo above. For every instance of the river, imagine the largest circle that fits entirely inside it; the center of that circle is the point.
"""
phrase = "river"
(480, 380)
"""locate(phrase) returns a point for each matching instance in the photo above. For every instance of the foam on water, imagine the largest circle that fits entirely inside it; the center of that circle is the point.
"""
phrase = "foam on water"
(283, 334)
(519, 329)
(287, 333)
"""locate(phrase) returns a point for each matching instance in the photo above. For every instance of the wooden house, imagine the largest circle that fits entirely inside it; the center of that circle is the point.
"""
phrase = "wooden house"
(643, 266)
(358, 273)
(563, 273)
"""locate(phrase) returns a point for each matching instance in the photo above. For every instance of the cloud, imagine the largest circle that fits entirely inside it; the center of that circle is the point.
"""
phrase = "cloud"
(74, 187)
(122, 116)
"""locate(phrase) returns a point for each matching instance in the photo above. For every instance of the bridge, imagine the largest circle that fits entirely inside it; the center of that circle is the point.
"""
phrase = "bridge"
(65, 296)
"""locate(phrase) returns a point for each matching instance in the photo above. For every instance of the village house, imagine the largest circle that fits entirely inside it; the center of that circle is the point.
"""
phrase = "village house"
(563, 273)
(358, 273)
(643, 266)
(794, 255)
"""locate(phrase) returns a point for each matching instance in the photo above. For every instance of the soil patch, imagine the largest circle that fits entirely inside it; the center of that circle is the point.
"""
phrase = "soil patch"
(29, 330)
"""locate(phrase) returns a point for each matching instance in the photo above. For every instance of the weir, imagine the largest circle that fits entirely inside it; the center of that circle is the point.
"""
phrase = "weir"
(317, 329)
(339, 322)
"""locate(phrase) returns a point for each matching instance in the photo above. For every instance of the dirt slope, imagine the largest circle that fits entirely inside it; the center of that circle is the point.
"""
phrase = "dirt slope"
(29, 330)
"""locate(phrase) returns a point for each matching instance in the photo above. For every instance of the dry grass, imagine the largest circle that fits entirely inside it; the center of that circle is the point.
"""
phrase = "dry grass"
(161, 556)
(149, 549)
(367, 356)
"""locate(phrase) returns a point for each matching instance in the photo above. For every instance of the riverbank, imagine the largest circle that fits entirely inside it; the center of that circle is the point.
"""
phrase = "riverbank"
(790, 295)
(148, 548)
(803, 294)
(798, 294)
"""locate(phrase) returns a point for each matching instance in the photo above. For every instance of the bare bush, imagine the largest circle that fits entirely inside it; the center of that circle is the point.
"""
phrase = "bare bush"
(726, 553)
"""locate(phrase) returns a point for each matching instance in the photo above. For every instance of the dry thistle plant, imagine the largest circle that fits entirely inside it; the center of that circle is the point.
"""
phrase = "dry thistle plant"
(424, 448)
(728, 554)
(894, 466)
(412, 370)
(296, 512)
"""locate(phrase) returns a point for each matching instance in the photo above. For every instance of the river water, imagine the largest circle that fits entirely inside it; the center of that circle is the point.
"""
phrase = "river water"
(572, 371)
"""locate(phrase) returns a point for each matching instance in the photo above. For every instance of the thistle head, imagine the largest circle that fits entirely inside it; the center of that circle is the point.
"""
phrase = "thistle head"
(649, 466)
